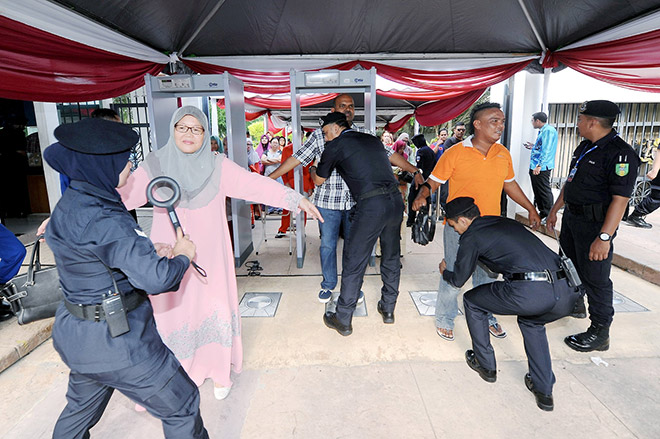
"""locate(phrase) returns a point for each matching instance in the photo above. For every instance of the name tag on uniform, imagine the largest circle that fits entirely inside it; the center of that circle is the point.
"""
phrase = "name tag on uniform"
(141, 233)
(571, 174)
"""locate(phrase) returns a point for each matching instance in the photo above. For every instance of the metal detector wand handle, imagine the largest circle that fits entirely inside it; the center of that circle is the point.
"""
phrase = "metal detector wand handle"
(169, 205)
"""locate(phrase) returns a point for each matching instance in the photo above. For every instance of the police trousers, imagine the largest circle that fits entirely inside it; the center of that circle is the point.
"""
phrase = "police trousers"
(159, 384)
(375, 217)
(577, 235)
(535, 304)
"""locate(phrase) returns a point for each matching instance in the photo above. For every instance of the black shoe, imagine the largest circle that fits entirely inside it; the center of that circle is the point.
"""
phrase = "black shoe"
(280, 235)
(330, 320)
(388, 317)
(545, 402)
(5, 312)
(487, 375)
(596, 338)
(638, 221)
(579, 309)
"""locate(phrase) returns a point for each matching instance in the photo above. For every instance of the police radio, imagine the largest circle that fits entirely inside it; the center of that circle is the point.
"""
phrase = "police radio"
(567, 265)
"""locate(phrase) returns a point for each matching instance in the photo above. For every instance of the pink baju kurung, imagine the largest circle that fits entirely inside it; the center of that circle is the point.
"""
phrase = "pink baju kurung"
(200, 322)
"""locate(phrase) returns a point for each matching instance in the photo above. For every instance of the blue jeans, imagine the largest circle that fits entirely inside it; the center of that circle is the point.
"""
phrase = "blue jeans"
(446, 305)
(329, 229)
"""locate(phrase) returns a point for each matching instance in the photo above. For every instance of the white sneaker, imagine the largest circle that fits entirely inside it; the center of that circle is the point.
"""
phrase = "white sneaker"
(221, 393)
(360, 297)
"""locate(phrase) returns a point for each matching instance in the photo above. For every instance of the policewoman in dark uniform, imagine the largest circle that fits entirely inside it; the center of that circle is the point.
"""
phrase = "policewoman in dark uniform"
(110, 340)
(601, 179)
(535, 288)
(362, 162)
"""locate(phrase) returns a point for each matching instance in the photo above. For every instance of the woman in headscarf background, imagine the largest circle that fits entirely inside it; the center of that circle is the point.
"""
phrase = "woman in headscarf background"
(200, 322)
(216, 145)
(96, 243)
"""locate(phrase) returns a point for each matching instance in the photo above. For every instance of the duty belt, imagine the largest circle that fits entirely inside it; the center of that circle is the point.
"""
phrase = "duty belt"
(95, 313)
(379, 191)
(539, 276)
(592, 212)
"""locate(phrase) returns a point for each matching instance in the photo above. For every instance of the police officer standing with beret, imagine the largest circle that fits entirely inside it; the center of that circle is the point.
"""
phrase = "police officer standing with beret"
(601, 179)
(104, 330)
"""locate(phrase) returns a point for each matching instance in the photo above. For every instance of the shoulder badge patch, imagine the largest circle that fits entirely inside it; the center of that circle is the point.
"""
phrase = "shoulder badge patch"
(621, 169)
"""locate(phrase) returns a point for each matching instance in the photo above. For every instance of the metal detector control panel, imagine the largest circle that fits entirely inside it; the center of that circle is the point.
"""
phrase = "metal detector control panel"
(197, 83)
(333, 79)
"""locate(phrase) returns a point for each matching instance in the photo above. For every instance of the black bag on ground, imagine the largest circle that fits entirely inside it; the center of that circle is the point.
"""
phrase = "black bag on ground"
(35, 295)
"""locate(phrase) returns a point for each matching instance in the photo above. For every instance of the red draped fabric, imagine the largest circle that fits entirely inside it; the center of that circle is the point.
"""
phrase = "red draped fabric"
(632, 62)
(435, 113)
(53, 69)
(393, 127)
(452, 83)
(252, 116)
(452, 90)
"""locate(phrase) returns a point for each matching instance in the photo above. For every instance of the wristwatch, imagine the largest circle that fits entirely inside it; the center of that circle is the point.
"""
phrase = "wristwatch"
(605, 236)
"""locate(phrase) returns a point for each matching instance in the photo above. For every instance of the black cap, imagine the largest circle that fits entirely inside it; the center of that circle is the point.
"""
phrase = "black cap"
(600, 108)
(458, 206)
(332, 117)
(96, 136)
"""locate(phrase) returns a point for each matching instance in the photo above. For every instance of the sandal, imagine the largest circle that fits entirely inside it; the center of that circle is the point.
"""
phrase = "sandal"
(447, 335)
(496, 331)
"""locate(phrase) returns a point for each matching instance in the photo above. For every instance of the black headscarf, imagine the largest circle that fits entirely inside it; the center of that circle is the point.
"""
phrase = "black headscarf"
(419, 140)
(101, 171)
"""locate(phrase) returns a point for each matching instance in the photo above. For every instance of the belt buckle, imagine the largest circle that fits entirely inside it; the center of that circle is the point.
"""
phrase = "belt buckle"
(550, 279)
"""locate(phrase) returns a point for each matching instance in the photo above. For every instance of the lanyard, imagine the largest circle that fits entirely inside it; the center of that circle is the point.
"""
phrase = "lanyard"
(575, 167)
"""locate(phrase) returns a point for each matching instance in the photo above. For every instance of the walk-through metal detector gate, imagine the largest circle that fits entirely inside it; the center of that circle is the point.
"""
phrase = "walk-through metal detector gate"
(163, 95)
(327, 81)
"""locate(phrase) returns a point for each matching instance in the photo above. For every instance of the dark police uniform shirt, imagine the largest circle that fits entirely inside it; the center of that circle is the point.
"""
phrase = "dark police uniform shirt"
(426, 160)
(90, 225)
(361, 161)
(610, 169)
(504, 246)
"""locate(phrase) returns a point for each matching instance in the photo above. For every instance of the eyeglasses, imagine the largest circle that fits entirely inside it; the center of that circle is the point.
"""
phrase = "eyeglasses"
(197, 131)
(460, 129)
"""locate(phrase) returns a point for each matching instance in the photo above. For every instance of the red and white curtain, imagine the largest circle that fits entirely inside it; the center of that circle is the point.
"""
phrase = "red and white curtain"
(52, 54)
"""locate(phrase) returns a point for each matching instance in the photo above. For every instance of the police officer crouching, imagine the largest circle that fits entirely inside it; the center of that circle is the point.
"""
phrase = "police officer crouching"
(535, 288)
(601, 179)
(105, 330)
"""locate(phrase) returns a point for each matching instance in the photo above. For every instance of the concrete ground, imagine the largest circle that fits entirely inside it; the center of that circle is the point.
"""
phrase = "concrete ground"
(302, 380)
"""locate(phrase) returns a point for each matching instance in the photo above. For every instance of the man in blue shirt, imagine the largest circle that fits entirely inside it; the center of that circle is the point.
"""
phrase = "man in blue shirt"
(542, 162)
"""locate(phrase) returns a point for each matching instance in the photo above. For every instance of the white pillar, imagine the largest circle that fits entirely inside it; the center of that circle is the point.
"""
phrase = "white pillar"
(47, 121)
(527, 100)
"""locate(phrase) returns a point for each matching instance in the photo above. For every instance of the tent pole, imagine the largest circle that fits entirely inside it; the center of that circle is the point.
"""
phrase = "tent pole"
(546, 82)
(201, 26)
(531, 24)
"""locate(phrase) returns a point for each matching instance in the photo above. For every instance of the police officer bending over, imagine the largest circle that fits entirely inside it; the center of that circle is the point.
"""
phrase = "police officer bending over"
(104, 330)
(362, 162)
(534, 288)
(596, 192)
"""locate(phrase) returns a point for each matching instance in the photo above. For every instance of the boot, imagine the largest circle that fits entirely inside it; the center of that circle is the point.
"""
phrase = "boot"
(579, 309)
(597, 338)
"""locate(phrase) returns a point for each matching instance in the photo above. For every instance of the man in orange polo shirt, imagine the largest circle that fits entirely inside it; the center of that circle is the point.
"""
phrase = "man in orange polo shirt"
(480, 168)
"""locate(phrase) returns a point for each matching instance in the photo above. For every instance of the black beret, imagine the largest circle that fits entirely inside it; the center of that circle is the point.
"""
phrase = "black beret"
(332, 117)
(458, 206)
(96, 136)
(600, 109)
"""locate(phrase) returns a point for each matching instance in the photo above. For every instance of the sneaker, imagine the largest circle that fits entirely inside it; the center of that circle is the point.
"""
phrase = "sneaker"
(280, 235)
(325, 296)
(361, 297)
